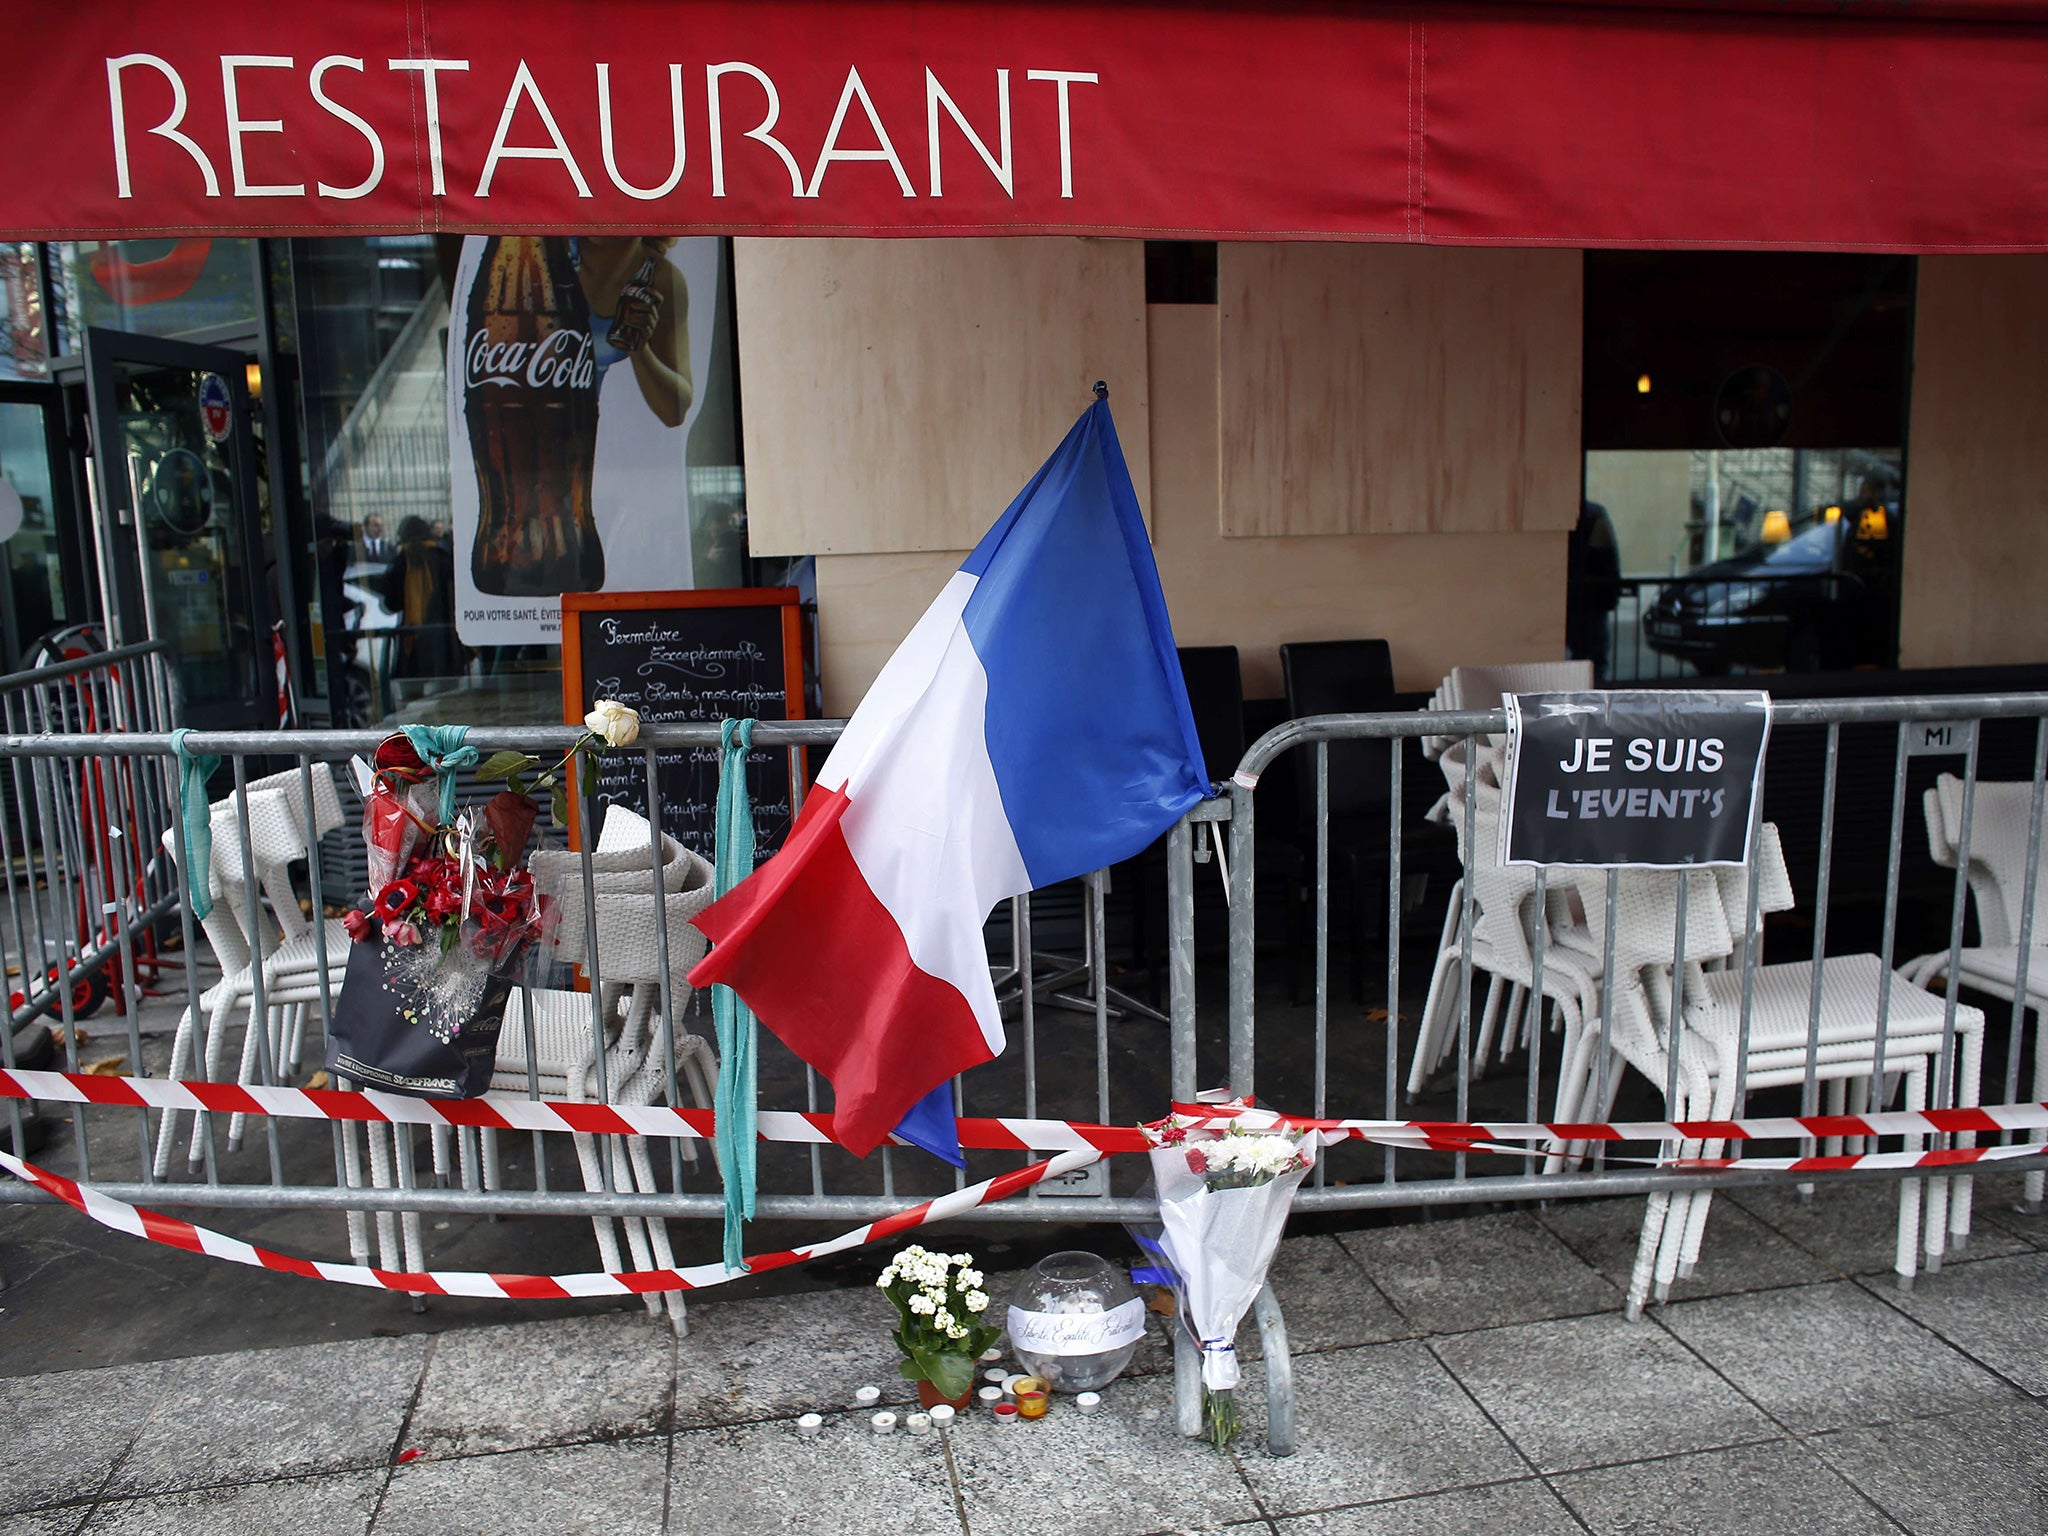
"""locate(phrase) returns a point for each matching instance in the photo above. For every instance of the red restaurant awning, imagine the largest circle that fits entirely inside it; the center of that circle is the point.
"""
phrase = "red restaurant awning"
(1899, 126)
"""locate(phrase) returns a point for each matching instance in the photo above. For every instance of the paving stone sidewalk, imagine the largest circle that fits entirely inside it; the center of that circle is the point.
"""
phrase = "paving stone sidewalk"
(1459, 1374)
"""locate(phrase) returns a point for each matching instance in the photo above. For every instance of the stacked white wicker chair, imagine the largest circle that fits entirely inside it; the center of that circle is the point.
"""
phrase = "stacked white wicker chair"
(2001, 817)
(1627, 1017)
(292, 962)
(1501, 897)
(1485, 687)
(1853, 994)
(286, 941)
(1503, 903)
(558, 1028)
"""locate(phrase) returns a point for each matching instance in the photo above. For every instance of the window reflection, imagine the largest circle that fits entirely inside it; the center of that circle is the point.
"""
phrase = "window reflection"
(1761, 559)
(393, 463)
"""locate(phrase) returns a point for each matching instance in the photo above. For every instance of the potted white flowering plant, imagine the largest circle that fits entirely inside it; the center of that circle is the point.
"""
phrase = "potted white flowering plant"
(941, 1303)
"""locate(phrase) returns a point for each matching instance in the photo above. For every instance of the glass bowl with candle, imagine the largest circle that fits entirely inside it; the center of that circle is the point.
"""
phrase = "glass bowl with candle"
(1075, 1322)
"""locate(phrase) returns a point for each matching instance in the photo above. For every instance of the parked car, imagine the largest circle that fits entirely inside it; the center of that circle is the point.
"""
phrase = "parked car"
(1818, 602)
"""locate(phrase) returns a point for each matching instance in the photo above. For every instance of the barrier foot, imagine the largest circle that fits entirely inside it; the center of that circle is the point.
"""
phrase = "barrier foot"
(1906, 1283)
(1187, 1382)
(1279, 1374)
(419, 1302)
(1685, 1271)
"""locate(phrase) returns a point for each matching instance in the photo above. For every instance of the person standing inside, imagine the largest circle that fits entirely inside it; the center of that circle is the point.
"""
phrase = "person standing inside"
(419, 586)
(1592, 588)
(373, 548)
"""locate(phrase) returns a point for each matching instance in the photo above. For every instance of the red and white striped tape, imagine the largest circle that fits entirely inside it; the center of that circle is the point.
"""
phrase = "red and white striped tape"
(516, 1114)
(1001, 1134)
(1077, 1145)
(173, 1232)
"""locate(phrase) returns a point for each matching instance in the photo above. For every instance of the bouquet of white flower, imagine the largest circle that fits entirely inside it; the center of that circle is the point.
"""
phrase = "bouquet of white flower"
(940, 1301)
(1223, 1202)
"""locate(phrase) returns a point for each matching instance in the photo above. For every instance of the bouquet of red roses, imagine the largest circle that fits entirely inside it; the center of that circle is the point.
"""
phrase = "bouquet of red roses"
(450, 915)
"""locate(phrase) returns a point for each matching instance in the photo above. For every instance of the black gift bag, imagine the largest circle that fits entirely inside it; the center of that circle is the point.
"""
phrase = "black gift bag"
(415, 1021)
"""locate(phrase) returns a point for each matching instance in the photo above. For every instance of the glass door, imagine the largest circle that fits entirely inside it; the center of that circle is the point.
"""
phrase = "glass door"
(177, 507)
(37, 533)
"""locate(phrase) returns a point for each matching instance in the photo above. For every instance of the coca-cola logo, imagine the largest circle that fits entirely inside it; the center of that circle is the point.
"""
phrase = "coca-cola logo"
(563, 360)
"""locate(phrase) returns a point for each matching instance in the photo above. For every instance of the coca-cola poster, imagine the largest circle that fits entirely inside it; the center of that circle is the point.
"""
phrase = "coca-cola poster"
(576, 368)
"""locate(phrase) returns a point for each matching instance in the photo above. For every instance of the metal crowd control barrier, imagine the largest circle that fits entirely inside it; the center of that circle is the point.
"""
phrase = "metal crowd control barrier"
(1803, 788)
(1090, 1057)
(297, 1164)
(91, 888)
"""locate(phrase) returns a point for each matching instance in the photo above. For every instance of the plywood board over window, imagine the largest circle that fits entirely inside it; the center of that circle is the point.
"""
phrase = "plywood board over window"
(1398, 389)
(899, 393)
(1977, 465)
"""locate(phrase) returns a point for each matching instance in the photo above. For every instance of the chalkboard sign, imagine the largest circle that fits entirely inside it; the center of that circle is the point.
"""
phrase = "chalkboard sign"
(680, 657)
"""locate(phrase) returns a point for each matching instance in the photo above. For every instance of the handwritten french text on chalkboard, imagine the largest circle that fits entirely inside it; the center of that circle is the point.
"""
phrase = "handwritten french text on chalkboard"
(691, 664)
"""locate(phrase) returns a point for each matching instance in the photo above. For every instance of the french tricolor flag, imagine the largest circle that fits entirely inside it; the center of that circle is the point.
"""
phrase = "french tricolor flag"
(1032, 727)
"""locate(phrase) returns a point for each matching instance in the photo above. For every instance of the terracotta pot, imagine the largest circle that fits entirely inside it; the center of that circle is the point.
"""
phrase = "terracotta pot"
(929, 1396)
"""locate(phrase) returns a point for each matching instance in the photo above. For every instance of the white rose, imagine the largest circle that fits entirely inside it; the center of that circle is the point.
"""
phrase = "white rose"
(617, 724)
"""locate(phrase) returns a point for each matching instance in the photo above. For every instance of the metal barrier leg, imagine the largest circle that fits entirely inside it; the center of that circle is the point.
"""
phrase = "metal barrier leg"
(1907, 1264)
(1279, 1373)
(1187, 1381)
(1964, 1198)
(2037, 1183)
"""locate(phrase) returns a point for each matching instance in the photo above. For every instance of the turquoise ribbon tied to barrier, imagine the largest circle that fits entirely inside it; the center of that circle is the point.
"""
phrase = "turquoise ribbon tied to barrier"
(738, 1083)
(194, 769)
(442, 748)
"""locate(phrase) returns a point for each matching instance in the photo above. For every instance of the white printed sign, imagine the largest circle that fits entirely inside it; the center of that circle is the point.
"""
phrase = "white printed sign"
(1077, 1333)
(576, 368)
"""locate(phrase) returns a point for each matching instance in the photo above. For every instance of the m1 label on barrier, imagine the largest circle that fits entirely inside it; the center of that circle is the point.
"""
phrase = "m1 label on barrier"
(1940, 738)
(1077, 1333)
(1654, 779)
